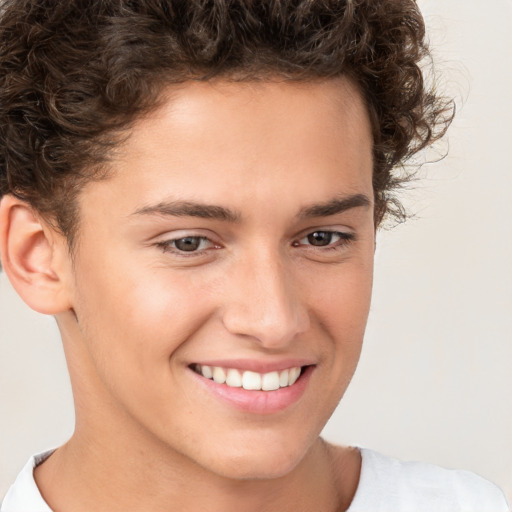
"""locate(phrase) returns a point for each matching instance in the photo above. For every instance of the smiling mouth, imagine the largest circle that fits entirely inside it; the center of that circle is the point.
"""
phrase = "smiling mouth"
(249, 380)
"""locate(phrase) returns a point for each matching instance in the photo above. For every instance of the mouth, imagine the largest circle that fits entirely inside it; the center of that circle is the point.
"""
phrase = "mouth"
(250, 380)
(253, 386)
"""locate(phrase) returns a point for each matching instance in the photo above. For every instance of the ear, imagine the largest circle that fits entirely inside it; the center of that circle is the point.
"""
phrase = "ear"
(34, 256)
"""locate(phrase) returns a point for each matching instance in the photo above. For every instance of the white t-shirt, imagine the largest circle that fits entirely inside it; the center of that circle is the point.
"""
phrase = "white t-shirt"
(385, 485)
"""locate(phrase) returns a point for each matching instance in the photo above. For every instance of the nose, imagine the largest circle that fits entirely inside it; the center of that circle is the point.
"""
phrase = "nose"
(263, 301)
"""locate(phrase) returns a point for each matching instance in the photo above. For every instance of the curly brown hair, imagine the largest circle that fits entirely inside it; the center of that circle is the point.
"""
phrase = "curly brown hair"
(74, 76)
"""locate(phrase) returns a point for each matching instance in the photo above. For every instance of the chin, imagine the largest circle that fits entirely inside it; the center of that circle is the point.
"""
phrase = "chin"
(262, 462)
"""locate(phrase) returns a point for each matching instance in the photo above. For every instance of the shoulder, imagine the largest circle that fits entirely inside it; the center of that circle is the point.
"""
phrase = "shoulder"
(23, 495)
(389, 485)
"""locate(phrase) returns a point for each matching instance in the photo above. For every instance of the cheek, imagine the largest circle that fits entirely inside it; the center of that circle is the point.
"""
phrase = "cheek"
(134, 318)
(342, 303)
(133, 327)
(342, 297)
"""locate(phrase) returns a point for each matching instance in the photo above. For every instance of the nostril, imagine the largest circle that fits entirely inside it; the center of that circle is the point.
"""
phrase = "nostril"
(274, 329)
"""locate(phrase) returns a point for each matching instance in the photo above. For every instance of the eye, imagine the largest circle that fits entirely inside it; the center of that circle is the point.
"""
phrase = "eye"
(186, 244)
(324, 238)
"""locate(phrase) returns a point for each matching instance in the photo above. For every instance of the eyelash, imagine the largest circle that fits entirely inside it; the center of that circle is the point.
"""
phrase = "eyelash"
(168, 246)
(344, 240)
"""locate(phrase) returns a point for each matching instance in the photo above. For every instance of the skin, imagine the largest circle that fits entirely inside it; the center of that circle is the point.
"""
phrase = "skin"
(135, 312)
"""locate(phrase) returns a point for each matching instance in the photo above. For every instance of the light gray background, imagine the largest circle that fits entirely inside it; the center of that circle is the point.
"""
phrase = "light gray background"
(435, 378)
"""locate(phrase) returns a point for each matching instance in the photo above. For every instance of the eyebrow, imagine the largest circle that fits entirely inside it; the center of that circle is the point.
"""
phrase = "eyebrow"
(335, 206)
(190, 209)
(214, 212)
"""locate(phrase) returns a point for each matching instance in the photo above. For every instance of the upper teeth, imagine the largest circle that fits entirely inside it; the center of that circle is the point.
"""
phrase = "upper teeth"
(250, 380)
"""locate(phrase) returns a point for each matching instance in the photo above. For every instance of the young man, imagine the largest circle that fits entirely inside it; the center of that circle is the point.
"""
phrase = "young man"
(192, 190)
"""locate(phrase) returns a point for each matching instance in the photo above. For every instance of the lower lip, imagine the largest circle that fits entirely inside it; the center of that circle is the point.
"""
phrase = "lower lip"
(258, 402)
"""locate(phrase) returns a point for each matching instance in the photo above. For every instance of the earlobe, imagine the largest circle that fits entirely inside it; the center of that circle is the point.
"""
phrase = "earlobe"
(30, 255)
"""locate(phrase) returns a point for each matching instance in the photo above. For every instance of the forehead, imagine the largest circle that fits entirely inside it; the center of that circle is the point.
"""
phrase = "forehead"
(227, 113)
(209, 139)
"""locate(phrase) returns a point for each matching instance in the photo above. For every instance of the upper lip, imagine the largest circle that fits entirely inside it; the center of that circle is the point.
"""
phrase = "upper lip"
(256, 365)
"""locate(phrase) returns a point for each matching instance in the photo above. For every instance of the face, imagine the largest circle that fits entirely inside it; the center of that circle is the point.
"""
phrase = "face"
(234, 240)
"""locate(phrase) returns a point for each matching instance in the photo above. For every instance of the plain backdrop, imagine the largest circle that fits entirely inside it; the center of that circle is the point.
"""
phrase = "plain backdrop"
(435, 378)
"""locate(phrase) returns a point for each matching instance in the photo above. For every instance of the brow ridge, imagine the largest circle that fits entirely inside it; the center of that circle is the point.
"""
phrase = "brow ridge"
(190, 209)
(335, 206)
(215, 212)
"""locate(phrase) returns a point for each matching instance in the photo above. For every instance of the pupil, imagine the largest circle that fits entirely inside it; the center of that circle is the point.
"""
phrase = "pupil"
(320, 238)
(189, 243)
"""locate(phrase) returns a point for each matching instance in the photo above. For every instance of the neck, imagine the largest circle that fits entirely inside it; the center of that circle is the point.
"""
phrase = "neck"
(85, 475)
